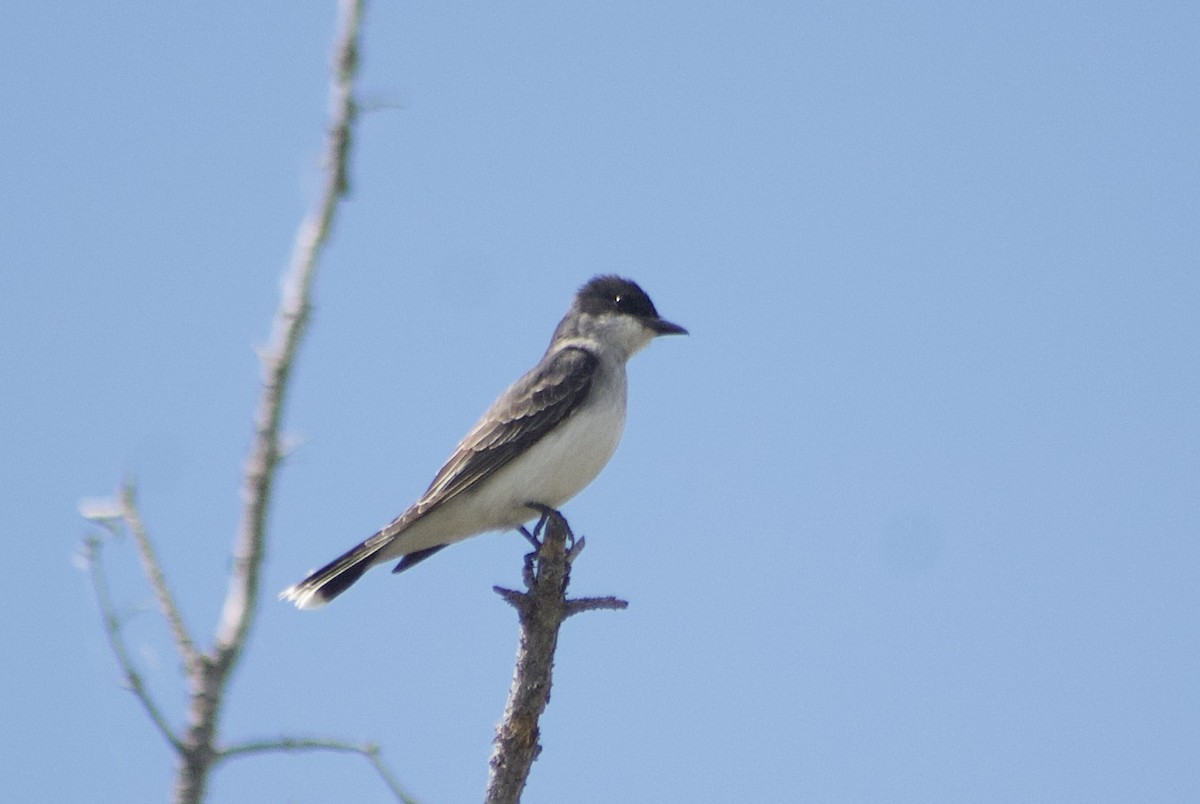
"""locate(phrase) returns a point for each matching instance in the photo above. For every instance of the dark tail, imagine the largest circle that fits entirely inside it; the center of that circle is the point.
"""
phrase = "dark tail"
(334, 578)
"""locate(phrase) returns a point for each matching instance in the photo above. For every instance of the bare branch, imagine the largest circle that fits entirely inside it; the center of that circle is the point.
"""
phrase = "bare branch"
(154, 574)
(291, 319)
(370, 751)
(208, 672)
(541, 611)
(112, 629)
(512, 597)
(583, 604)
(211, 673)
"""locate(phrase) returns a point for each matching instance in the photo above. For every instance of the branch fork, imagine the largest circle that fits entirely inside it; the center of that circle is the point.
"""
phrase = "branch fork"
(541, 610)
(208, 671)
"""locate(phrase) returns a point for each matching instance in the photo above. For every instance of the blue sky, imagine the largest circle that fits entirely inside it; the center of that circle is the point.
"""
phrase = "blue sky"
(911, 516)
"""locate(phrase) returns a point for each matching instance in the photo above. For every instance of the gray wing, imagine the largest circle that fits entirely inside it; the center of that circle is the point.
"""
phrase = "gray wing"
(528, 410)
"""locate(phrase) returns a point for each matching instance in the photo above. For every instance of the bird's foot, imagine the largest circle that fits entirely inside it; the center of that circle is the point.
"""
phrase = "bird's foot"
(546, 512)
(530, 537)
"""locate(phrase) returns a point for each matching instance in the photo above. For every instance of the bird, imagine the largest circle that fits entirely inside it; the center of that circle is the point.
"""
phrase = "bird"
(540, 443)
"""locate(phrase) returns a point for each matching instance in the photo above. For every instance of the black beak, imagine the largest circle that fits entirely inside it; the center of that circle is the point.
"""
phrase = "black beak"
(663, 327)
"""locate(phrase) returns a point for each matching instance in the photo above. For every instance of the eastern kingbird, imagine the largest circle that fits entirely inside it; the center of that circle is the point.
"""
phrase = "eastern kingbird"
(539, 444)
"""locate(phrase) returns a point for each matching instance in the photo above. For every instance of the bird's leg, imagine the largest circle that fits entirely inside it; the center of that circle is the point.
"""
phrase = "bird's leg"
(529, 537)
(546, 512)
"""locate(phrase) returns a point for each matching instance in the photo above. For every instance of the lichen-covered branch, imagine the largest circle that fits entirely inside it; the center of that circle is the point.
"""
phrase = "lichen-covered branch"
(541, 611)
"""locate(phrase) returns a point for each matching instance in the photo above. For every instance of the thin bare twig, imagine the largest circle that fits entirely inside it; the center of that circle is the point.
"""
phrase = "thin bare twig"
(112, 629)
(541, 611)
(154, 574)
(370, 751)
